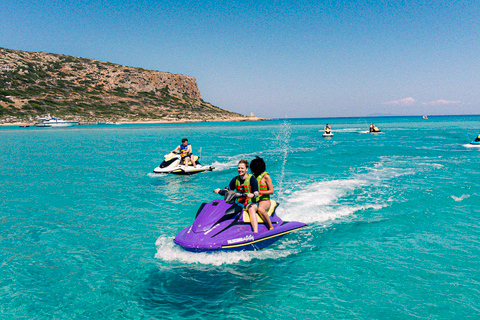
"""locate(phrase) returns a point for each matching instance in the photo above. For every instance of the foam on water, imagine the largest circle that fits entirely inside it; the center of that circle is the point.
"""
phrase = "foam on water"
(231, 162)
(462, 197)
(321, 201)
(221, 166)
(155, 175)
(167, 250)
(469, 145)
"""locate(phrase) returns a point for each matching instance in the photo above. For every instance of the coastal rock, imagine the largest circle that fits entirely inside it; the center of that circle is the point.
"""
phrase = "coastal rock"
(34, 84)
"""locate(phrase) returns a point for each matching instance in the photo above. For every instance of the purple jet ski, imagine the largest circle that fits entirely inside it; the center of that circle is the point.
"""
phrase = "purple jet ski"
(224, 225)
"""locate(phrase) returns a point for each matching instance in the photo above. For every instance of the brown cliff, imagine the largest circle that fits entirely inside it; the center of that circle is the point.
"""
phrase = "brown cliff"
(34, 84)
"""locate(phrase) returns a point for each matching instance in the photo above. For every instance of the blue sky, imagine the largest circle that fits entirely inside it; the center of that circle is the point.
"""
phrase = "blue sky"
(276, 58)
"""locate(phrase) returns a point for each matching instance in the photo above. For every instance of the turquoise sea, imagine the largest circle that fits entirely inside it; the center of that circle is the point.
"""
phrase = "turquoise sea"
(86, 228)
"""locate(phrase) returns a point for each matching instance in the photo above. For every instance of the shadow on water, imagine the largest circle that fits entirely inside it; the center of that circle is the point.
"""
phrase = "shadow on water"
(196, 291)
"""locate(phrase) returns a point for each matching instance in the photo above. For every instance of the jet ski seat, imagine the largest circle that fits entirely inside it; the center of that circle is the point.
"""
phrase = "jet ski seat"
(190, 161)
(172, 156)
(271, 210)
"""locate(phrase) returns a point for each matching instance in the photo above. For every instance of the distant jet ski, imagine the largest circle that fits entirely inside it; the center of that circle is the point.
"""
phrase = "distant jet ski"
(476, 141)
(327, 133)
(375, 130)
(222, 225)
(172, 164)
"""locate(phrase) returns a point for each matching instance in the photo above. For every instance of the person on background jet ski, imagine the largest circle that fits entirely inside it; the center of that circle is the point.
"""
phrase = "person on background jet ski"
(373, 128)
(245, 183)
(265, 188)
(186, 153)
(327, 128)
(477, 138)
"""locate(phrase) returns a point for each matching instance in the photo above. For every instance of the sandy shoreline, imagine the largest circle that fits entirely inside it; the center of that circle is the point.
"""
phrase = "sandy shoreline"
(235, 119)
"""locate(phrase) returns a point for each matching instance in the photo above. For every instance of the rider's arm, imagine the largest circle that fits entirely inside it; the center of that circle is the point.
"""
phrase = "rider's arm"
(231, 185)
(220, 191)
(178, 147)
(254, 185)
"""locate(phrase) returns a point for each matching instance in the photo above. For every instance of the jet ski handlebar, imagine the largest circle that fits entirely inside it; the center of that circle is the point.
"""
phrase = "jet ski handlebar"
(230, 195)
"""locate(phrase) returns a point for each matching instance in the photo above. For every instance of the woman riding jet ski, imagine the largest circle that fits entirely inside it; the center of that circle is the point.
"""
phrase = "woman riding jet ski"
(172, 164)
(225, 225)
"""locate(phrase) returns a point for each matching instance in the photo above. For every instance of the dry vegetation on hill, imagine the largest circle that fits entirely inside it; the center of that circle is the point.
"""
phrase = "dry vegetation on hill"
(34, 84)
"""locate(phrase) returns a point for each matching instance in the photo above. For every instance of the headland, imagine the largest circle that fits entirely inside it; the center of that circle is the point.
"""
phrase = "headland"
(37, 84)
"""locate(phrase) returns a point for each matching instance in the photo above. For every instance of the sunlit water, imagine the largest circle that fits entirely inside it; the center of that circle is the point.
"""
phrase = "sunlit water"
(87, 229)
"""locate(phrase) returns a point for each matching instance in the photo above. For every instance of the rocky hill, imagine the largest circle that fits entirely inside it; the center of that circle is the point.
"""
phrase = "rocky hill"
(34, 84)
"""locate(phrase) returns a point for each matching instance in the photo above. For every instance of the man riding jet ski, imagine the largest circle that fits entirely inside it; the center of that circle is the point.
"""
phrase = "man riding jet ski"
(327, 131)
(225, 225)
(172, 164)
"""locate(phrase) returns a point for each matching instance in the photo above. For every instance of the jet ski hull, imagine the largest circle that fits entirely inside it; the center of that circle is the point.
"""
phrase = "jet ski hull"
(475, 143)
(171, 164)
(181, 170)
(238, 238)
(327, 135)
(232, 233)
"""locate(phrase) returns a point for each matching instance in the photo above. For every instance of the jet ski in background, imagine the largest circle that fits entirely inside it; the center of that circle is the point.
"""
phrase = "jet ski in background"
(172, 164)
(476, 141)
(374, 128)
(223, 225)
(327, 133)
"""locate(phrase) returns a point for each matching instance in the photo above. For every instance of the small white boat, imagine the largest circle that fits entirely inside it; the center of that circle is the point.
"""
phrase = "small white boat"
(54, 122)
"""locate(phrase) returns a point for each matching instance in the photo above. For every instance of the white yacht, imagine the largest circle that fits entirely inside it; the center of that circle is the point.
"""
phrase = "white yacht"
(54, 122)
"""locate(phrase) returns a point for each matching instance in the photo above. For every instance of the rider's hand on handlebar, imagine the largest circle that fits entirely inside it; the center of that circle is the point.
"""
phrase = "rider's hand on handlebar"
(253, 195)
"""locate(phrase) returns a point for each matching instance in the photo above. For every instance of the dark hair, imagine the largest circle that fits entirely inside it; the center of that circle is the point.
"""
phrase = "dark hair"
(257, 166)
(245, 162)
(183, 140)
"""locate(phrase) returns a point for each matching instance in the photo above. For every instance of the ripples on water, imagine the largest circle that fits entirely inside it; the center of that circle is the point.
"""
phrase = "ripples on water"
(87, 229)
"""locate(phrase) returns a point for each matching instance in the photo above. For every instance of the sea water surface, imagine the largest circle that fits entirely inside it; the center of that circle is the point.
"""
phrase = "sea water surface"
(86, 228)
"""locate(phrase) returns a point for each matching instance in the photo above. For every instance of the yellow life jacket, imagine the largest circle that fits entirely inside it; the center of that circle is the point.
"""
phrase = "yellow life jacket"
(184, 150)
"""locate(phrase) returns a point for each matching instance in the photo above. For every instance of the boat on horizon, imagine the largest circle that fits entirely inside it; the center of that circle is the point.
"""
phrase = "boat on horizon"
(54, 122)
